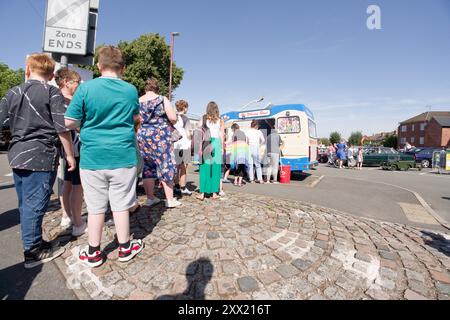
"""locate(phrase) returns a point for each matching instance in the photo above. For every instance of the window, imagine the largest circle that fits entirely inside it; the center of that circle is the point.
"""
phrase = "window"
(403, 140)
(412, 139)
(422, 126)
(421, 140)
(404, 128)
(312, 129)
(288, 125)
(412, 128)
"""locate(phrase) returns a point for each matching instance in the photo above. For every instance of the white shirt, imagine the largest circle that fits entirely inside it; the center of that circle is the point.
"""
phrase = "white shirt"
(255, 137)
(214, 128)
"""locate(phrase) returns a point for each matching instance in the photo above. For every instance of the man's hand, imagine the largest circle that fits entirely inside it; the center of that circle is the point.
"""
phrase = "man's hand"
(71, 163)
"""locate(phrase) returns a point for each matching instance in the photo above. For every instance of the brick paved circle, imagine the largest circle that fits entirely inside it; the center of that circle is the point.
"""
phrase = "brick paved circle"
(254, 247)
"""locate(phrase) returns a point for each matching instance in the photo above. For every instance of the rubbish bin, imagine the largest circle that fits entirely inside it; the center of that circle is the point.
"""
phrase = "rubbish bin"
(285, 174)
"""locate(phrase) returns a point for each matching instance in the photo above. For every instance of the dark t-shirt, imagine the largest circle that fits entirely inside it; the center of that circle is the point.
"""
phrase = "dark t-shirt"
(36, 116)
(273, 143)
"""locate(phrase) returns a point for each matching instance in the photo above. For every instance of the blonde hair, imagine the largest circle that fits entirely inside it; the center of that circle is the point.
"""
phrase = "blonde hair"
(64, 75)
(212, 112)
(41, 64)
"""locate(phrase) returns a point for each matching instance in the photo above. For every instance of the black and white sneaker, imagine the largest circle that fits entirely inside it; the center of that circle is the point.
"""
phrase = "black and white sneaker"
(44, 253)
(126, 254)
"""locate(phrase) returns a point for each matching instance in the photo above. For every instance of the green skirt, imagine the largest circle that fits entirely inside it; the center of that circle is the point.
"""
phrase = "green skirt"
(211, 169)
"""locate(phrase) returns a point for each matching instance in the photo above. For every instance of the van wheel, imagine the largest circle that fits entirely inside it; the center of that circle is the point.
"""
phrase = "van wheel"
(393, 167)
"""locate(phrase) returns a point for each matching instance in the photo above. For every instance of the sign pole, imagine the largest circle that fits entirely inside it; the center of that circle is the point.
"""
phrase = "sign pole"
(64, 61)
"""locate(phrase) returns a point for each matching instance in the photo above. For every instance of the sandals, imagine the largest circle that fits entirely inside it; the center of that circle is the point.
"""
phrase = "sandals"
(201, 197)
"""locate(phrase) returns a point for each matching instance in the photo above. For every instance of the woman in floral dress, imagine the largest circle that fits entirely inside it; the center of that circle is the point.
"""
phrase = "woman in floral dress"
(155, 143)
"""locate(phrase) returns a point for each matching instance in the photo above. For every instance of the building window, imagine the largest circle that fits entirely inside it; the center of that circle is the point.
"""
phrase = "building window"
(422, 126)
(404, 128)
(412, 128)
(412, 139)
(403, 140)
(422, 140)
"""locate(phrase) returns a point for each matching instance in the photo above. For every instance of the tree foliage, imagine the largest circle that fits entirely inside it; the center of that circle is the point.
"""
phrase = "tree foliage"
(148, 55)
(9, 78)
(324, 141)
(390, 141)
(335, 137)
(355, 138)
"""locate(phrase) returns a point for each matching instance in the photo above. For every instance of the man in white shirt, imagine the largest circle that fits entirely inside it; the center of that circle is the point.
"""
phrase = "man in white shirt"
(255, 139)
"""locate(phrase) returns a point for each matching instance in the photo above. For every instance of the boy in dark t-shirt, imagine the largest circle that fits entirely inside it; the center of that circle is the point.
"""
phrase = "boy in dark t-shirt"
(35, 111)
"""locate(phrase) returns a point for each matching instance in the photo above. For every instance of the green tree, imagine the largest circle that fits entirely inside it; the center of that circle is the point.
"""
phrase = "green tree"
(324, 141)
(355, 138)
(9, 78)
(335, 137)
(148, 55)
(390, 141)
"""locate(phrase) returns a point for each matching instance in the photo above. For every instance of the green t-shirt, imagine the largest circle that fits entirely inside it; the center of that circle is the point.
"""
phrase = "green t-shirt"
(105, 106)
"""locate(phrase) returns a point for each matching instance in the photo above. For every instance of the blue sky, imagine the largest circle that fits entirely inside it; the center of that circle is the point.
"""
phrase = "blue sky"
(319, 53)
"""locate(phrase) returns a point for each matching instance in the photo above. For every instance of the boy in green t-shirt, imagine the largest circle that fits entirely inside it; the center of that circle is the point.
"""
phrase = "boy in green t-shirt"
(106, 110)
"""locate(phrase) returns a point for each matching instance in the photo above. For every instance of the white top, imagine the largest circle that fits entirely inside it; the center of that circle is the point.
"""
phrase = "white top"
(255, 137)
(214, 128)
(184, 143)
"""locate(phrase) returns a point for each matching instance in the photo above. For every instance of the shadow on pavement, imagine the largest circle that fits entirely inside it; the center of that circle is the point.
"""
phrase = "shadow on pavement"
(198, 275)
(300, 176)
(8, 186)
(437, 241)
(15, 281)
(9, 219)
(446, 198)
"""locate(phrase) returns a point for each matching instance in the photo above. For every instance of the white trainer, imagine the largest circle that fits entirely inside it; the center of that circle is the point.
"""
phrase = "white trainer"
(78, 231)
(66, 222)
(172, 203)
(150, 203)
(186, 191)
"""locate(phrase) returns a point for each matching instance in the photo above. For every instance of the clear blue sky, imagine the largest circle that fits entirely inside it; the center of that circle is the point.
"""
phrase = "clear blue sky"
(319, 53)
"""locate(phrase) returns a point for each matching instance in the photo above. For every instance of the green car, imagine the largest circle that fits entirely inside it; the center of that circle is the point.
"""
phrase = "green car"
(376, 156)
(395, 163)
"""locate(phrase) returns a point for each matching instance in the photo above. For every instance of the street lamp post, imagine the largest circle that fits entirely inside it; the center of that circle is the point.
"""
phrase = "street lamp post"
(172, 35)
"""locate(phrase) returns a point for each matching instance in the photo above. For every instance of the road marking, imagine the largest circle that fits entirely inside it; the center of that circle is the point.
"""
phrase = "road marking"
(9, 175)
(417, 213)
(317, 181)
(8, 183)
(427, 207)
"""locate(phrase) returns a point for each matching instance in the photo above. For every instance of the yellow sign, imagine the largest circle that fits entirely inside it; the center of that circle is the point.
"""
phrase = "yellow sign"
(447, 162)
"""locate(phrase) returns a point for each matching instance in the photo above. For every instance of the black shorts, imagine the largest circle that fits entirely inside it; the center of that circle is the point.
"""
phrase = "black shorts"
(73, 176)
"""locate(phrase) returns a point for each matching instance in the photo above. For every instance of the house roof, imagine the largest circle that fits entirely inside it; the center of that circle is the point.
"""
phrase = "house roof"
(426, 116)
(443, 121)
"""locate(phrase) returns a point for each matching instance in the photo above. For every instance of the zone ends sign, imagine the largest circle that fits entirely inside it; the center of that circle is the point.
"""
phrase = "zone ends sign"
(66, 26)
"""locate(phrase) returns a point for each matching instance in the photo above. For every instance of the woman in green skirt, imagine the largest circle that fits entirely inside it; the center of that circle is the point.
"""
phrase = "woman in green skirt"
(212, 152)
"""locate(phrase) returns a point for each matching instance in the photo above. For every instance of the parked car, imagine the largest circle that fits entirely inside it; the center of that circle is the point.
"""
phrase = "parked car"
(322, 155)
(424, 156)
(395, 163)
(375, 156)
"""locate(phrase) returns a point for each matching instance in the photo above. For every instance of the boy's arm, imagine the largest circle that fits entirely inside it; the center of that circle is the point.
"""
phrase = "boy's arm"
(66, 140)
(4, 110)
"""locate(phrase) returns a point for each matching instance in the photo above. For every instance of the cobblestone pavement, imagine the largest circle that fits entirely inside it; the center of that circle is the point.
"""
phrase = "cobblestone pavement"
(252, 247)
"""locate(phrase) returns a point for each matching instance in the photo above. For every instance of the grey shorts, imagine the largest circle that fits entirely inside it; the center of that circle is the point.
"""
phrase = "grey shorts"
(182, 156)
(117, 186)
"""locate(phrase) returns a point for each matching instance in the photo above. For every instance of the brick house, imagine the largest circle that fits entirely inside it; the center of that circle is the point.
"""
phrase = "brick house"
(429, 129)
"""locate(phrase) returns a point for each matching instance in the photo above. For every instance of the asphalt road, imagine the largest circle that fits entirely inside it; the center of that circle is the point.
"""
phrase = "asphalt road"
(370, 193)
(17, 283)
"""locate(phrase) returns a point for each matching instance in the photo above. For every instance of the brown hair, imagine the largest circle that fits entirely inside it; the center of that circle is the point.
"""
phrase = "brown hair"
(212, 112)
(181, 105)
(41, 64)
(110, 57)
(152, 85)
(64, 75)
(254, 124)
(235, 127)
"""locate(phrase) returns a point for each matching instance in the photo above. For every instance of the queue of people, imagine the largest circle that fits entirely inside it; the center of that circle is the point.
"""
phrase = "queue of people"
(108, 137)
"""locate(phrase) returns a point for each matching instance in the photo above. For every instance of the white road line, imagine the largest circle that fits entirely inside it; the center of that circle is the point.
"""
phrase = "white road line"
(9, 175)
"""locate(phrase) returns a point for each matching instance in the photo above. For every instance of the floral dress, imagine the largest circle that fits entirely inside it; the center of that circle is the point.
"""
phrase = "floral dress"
(155, 141)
